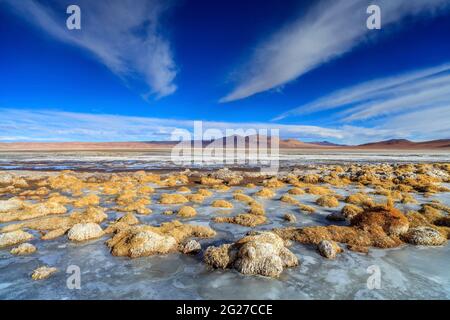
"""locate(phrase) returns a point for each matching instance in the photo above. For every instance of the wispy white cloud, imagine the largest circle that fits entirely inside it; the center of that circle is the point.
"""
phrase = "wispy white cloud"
(50, 125)
(125, 35)
(423, 124)
(30, 125)
(328, 30)
(427, 88)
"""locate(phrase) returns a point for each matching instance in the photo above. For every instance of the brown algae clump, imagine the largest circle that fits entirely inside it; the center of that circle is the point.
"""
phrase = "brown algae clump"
(145, 240)
(316, 190)
(288, 199)
(243, 219)
(327, 201)
(265, 193)
(296, 191)
(222, 204)
(172, 199)
(187, 212)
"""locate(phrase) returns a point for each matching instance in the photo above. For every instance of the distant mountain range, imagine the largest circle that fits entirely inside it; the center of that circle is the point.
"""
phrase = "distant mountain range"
(407, 144)
(393, 144)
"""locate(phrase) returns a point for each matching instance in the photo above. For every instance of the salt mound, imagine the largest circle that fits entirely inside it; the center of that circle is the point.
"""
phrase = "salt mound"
(85, 231)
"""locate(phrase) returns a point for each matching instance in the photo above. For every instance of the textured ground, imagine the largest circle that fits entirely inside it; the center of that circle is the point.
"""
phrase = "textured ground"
(128, 232)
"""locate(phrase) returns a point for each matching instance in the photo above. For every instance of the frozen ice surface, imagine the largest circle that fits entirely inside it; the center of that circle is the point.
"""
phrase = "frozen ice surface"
(407, 272)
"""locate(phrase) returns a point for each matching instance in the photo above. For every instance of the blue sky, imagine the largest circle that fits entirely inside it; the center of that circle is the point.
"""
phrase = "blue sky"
(139, 69)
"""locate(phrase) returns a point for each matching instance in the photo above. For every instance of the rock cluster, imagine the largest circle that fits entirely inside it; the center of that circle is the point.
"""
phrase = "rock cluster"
(23, 249)
(85, 231)
(260, 253)
(14, 237)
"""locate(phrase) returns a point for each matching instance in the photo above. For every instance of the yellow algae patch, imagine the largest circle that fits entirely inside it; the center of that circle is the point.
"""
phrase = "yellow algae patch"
(144, 240)
(67, 183)
(243, 219)
(265, 193)
(359, 198)
(205, 192)
(311, 178)
(60, 223)
(288, 199)
(296, 191)
(408, 198)
(53, 234)
(174, 180)
(234, 181)
(56, 197)
(31, 211)
(221, 187)
(196, 198)
(144, 177)
(138, 206)
(129, 219)
(304, 207)
(89, 200)
(438, 206)
(257, 209)
(273, 183)
(317, 190)
(350, 211)
(126, 197)
(244, 198)
(172, 199)
(35, 194)
(210, 181)
(122, 223)
(184, 189)
(221, 204)
(327, 201)
(145, 190)
(187, 212)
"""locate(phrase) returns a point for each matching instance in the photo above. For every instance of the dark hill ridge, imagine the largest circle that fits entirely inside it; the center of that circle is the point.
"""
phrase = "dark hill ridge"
(406, 144)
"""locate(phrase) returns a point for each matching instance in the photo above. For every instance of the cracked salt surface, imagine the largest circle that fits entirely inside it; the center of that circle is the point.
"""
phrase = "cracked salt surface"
(407, 272)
